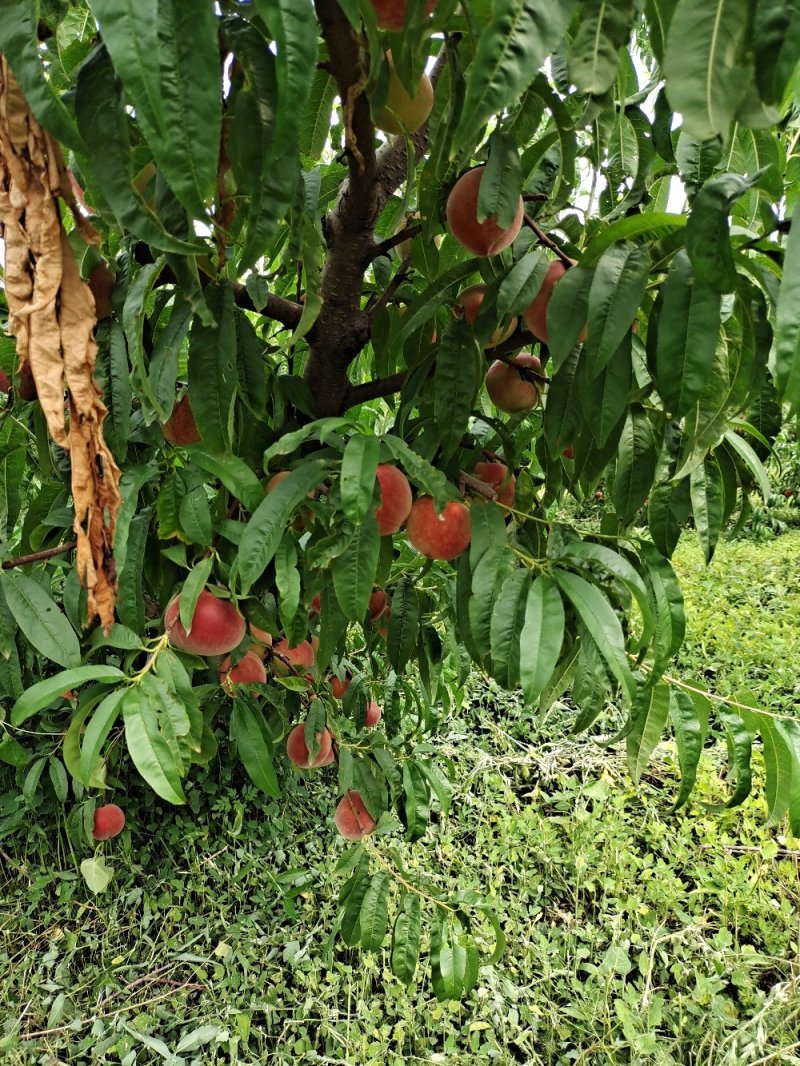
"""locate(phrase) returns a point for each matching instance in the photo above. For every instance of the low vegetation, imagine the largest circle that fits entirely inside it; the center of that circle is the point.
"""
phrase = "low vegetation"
(633, 935)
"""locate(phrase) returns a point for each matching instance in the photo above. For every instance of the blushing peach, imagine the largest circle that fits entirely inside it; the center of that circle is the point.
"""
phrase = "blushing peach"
(180, 428)
(338, 688)
(480, 238)
(396, 499)
(109, 821)
(300, 656)
(217, 627)
(507, 390)
(497, 475)
(468, 304)
(373, 715)
(439, 536)
(298, 752)
(391, 13)
(402, 113)
(352, 818)
(536, 315)
(250, 668)
(378, 603)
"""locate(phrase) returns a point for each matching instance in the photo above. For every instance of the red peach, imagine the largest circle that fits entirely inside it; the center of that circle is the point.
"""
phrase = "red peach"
(297, 750)
(249, 668)
(180, 428)
(301, 655)
(373, 715)
(109, 821)
(468, 304)
(396, 500)
(352, 818)
(391, 13)
(217, 627)
(480, 238)
(439, 536)
(507, 390)
(497, 475)
(378, 603)
(315, 606)
(338, 688)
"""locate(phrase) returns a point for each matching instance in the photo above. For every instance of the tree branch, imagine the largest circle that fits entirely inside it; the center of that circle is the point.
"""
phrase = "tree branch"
(548, 242)
(374, 390)
(37, 557)
(287, 312)
(476, 486)
(398, 279)
(404, 234)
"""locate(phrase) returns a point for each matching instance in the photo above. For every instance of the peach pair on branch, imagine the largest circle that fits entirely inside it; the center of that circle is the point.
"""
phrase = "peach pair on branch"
(436, 536)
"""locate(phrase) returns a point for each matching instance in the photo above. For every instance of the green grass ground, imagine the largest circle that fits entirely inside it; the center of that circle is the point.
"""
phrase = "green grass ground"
(634, 935)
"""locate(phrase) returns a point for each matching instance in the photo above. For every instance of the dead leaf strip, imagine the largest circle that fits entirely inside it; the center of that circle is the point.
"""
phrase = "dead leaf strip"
(52, 317)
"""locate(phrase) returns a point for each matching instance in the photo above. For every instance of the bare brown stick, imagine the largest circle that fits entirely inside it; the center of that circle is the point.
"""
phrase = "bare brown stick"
(37, 557)
(404, 234)
(391, 289)
(548, 242)
(374, 390)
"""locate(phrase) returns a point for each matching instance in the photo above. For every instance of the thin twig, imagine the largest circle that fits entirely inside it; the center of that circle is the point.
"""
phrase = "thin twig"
(407, 233)
(478, 487)
(548, 242)
(391, 289)
(15, 866)
(37, 557)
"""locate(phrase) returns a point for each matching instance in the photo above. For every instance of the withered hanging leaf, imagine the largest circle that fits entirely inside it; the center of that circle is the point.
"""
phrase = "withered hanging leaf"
(52, 317)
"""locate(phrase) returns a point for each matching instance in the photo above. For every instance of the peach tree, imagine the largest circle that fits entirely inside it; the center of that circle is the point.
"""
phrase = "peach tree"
(323, 320)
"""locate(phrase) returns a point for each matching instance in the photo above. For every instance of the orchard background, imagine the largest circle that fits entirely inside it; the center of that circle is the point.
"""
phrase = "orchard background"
(353, 346)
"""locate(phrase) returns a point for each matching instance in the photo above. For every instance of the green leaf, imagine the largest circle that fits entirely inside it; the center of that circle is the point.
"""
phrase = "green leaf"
(234, 473)
(103, 123)
(778, 763)
(355, 568)
(96, 874)
(740, 748)
(97, 729)
(567, 313)
(562, 408)
(520, 285)
(20, 45)
(42, 694)
(316, 122)
(688, 328)
(212, 370)
(656, 225)
(424, 475)
(776, 46)
(190, 101)
(294, 30)
(499, 190)
(688, 741)
(254, 744)
(602, 625)
(196, 581)
(541, 639)
(616, 292)
(403, 624)
(357, 481)
(264, 531)
(649, 716)
(604, 399)
(374, 917)
(703, 64)
(487, 580)
(667, 605)
(457, 376)
(752, 461)
(511, 48)
(706, 487)
(787, 326)
(130, 587)
(406, 939)
(615, 563)
(708, 229)
(148, 748)
(636, 465)
(194, 516)
(40, 619)
(605, 26)
(508, 618)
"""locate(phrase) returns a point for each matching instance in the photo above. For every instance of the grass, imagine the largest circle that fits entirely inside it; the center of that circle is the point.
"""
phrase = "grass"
(634, 935)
